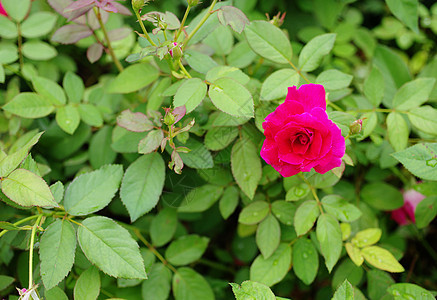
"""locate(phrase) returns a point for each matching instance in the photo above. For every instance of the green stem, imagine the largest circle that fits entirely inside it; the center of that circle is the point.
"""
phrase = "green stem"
(298, 71)
(182, 23)
(20, 43)
(108, 42)
(215, 265)
(144, 29)
(183, 69)
(32, 243)
(335, 106)
(313, 191)
(154, 251)
(19, 222)
(205, 17)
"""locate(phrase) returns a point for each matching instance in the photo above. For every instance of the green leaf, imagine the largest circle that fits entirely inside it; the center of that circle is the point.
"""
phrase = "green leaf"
(246, 166)
(402, 291)
(16, 12)
(329, 236)
(68, 118)
(27, 189)
(374, 87)
(134, 78)
(9, 29)
(38, 24)
(229, 201)
(199, 157)
(381, 259)
(397, 130)
(413, 94)
(57, 189)
(254, 213)
(305, 260)
(354, 254)
(190, 94)
(344, 292)
(158, 284)
(305, 217)
(125, 141)
(241, 55)
(340, 208)
(221, 40)
(8, 53)
(29, 105)
(276, 85)
(347, 270)
(227, 71)
(142, 184)
(382, 196)
(186, 249)
(2, 74)
(284, 211)
(190, 285)
(37, 50)
(367, 237)
(100, 151)
(151, 142)
(199, 62)
(74, 87)
(218, 138)
(231, 97)
(273, 269)
(90, 115)
(90, 192)
(251, 290)
(55, 294)
(268, 41)
(13, 160)
(424, 118)
(420, 160)
(163, 226)
(56, 250)
(87, 286)
(5, 281)
(334, 79)
(425, 211)
(377, 283)
(406, 11)
(201, 198)
(111, 248)
(313, 52)
(268, 236)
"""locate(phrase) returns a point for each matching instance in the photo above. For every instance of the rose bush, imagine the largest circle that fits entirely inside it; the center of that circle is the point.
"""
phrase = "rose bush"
(299, 135)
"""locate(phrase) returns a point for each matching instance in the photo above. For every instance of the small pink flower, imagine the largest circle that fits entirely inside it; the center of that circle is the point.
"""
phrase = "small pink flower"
(405, 214)
(2, 10)
(299, 135)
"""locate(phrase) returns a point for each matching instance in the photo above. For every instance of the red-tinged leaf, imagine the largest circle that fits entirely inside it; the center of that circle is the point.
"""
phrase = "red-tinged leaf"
(60, 5)
(94, 52)
(179, 113)
(232, 16)
(151, 142)
(79, 4)
(70, 34)
(136, 122)
(93, 22)
(118, 34)
(121, 9)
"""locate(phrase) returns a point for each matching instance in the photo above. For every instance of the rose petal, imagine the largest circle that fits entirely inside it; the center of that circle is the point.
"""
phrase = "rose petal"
(309, 95)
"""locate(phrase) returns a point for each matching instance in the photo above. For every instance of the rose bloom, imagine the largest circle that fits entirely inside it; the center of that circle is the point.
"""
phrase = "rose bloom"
(299, 135)
(405, 214)
(2, 10)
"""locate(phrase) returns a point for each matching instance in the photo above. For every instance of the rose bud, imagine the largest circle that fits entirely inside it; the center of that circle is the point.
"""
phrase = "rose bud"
(175, 51)
(356, 127)
(405, 214)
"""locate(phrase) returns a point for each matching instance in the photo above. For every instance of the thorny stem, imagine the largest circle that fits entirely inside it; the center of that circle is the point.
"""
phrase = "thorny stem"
(182, 23)
(20, 43)
(205, 17)
(32, 242)
(313, 191)
(183, 69)
(108, 42)
(153, 250)
(144, 29)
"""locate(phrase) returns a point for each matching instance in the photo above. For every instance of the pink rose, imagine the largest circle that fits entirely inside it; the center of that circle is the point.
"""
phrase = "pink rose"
(2, 10)
(299, 135)
(405, 214)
